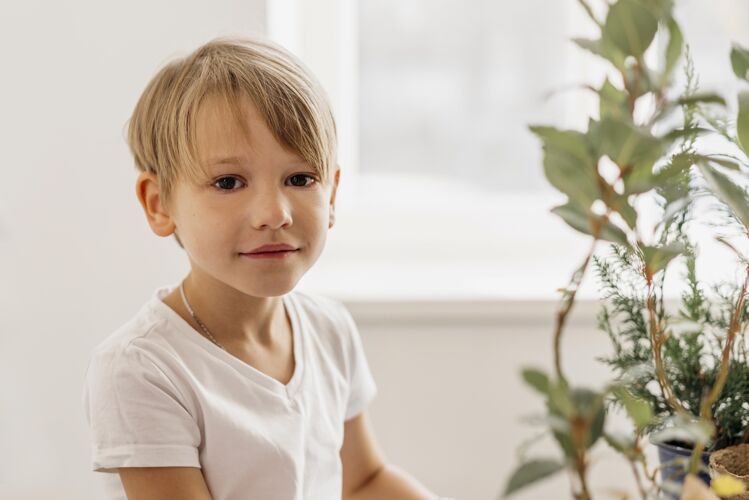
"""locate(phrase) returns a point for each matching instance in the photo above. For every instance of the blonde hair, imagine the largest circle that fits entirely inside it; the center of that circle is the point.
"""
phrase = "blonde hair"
(162, 132)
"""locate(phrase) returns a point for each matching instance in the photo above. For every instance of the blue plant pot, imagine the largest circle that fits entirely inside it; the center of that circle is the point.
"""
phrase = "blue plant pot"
(675, 472)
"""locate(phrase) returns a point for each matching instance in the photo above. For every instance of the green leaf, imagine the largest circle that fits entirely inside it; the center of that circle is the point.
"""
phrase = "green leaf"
(582, 221)
(614, 102)
(740, 61)
(589, 405)
(621, 204)
(569, 164)
(679, 133)
(741, 256)
(727, 191)
(638, 409)
(674, 48)
(742, 121)
(572, 142)
(602, 48)
(565, 443)
(624, 444)
(530, 472)
(555, 422)
(640, 180)
(678, 164)
(630, 26)
(657, 258)
(705, 98)
(672, 183)
(584, 411)
(626, 144)
(560, 402)
(641, 79)
(589, 11)
(662, 10)
(723, 162)
(673, 208)
(619, 442)
(536, 379)
(593, 46)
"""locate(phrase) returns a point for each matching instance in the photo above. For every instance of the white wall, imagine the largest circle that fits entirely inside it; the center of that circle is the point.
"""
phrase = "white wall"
(76, 256)
(77, 260)
(451, 402)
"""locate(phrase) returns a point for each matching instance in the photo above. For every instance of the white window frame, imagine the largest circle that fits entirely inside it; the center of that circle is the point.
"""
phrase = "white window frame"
(370, 220)
(393, 238)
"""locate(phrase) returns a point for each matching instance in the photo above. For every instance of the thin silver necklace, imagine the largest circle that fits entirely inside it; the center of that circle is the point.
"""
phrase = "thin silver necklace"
(197, 320)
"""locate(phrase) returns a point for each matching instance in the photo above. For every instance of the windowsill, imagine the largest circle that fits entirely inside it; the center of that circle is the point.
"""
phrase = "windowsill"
(411, 238)
(414, 238)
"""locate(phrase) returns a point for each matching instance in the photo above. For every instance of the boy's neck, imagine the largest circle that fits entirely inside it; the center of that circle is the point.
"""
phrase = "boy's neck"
(233, 318)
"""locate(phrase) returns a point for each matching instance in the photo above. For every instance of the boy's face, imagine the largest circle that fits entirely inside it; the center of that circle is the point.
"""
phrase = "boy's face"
(265, 195)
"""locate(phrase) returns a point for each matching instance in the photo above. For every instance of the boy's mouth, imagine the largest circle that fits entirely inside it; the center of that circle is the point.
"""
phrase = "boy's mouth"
(272, 248)
(269, 255)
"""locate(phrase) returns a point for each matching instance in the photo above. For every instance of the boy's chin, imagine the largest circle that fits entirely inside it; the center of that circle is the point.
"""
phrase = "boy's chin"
(274, 288)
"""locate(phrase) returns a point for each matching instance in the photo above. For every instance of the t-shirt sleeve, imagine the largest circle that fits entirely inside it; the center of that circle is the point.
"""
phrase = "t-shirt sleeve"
(362, 387)
(136, 415)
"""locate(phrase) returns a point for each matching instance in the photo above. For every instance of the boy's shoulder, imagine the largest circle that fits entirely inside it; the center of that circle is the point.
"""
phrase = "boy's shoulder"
(143, 327)
(322, 308)
(152, 329)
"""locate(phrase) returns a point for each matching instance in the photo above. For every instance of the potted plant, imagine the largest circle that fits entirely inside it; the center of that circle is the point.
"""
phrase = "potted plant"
(692, 353)
(638, 148)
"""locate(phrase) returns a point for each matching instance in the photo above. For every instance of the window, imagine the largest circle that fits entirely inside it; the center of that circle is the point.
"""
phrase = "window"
(443, 194)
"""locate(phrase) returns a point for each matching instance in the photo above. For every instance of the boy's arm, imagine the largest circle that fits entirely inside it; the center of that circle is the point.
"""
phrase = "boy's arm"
(366, 476)
(164, 483)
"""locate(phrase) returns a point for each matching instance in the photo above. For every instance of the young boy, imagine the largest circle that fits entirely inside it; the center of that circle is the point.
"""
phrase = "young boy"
(230, 385)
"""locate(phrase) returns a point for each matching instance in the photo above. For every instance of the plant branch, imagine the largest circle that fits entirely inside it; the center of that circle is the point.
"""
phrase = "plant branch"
(638, 480)
(566, 306)
(581, 466)
(589, 11)
(633, 464)
(656, 342)
(717, 388)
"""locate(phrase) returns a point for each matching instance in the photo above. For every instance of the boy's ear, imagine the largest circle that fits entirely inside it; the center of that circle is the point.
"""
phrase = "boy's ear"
(147, 190)
(337, 175)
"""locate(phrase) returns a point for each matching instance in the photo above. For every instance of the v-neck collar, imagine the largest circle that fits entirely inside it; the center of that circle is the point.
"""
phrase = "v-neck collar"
(288, 390)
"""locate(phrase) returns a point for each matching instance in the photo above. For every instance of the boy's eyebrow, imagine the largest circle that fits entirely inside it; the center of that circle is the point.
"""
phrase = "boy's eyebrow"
(236, 160)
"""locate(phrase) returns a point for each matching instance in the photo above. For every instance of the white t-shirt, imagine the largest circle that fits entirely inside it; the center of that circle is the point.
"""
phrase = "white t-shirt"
(158, 393)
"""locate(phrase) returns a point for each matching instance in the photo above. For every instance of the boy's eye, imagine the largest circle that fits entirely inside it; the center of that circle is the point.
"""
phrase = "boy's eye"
(226, 183)
(230, 183)
(304, 178)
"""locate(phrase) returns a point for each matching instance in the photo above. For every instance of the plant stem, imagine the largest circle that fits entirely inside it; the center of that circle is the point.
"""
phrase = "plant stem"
(582, 467)
(566, 307)
(567, 302)
(638, 480)
(656, 341)
(633, 464)
(706, 410)
(589, 11)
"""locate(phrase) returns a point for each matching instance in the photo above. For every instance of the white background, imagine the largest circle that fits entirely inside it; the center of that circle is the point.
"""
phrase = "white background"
(77, 258)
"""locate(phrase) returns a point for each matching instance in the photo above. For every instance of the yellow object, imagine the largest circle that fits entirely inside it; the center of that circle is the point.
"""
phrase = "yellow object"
(727, 486)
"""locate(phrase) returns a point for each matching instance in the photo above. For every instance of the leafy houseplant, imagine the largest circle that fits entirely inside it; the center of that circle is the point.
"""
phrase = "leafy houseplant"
(635, 150)
(692, 352)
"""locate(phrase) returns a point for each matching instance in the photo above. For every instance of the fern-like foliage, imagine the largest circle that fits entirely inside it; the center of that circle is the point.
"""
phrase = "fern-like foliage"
(693, 349)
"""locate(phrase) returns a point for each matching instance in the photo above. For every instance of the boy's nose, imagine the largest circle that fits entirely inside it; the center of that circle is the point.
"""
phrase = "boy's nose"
(270, 212)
